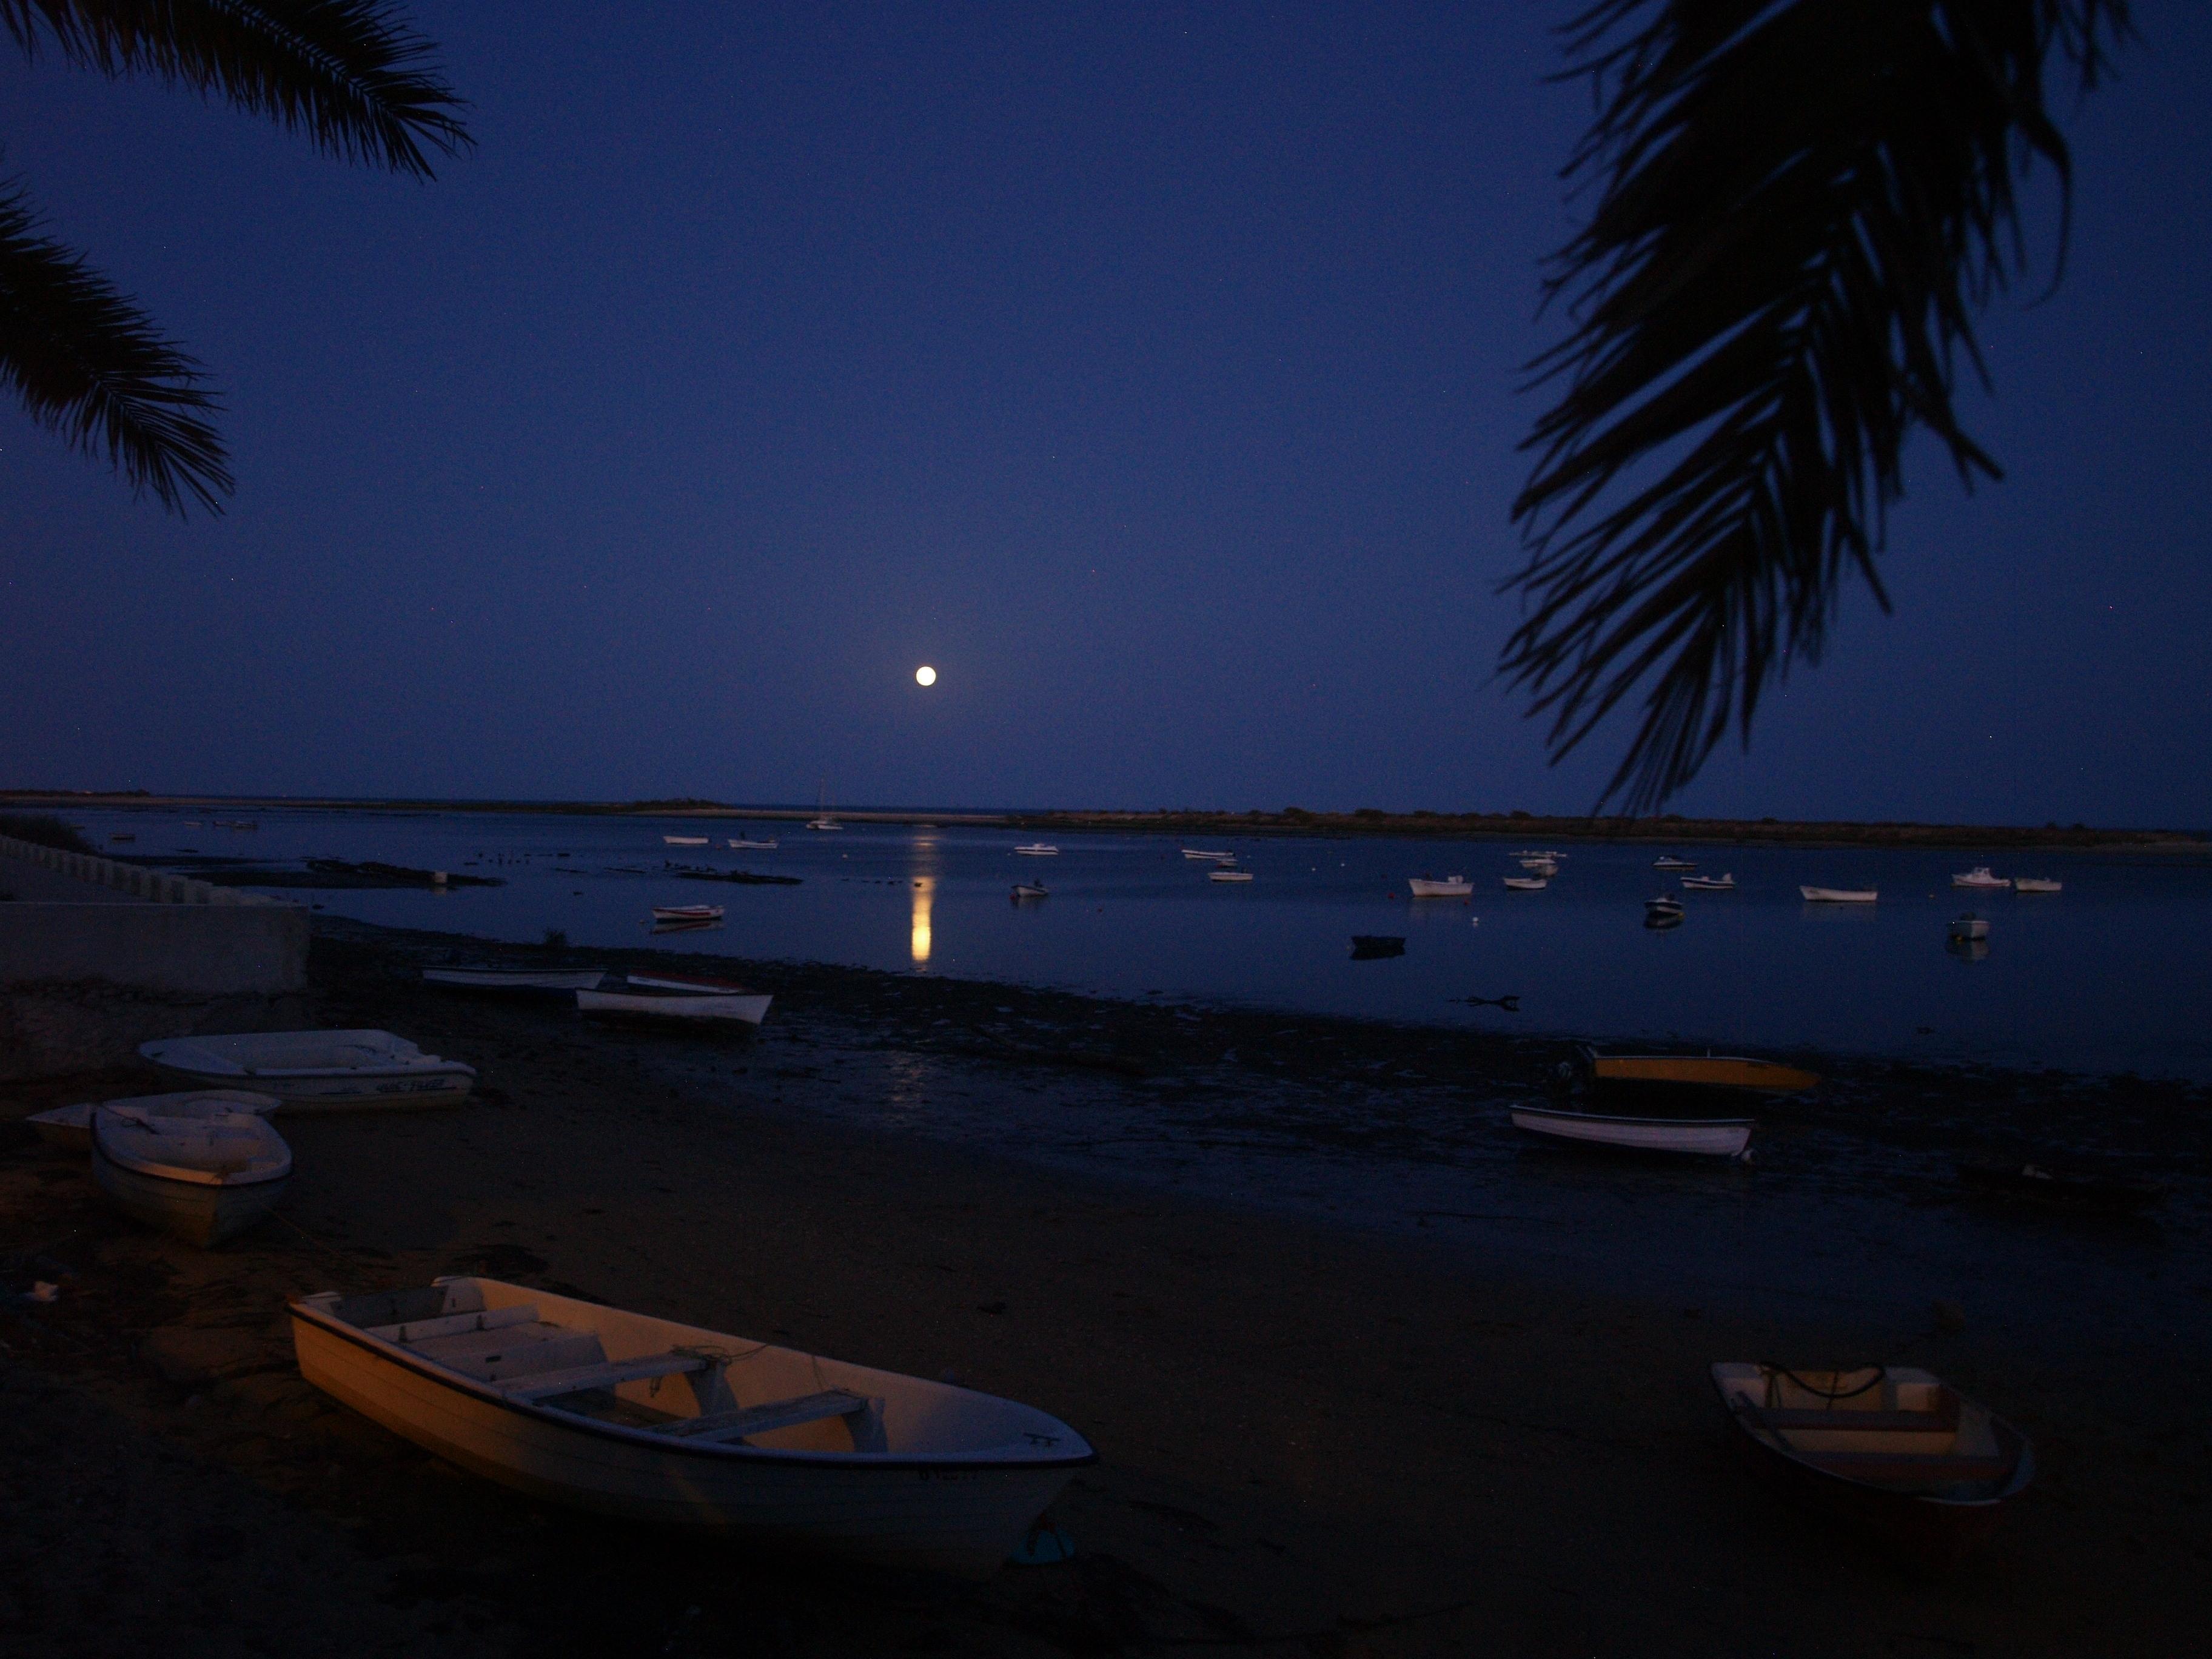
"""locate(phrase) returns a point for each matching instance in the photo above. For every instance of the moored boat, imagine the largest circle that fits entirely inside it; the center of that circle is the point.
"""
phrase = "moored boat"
(1668, 862)
(1031, 889)
(1705, 1071)
(1712, 1137)
(1229, 875)
(1038, 849)
(1723, 883)
(1440, 887)
(686, 841)
(319, 1071)
(687, 913)
(1205, 853)
(2036, 884)
(1528, 883)
(1979, 878)
(1968, 927)
(649, 1420)
(1839, 894)
(1893, 1450)
(515, 981)
(71, 1126)
(768, 846)
(204, 1178)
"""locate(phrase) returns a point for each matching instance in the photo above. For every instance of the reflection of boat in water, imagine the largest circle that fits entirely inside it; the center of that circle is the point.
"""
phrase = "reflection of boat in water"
(1445, 887)
(1891, 1450)
(1968, 950)
(1370, 947)
(1712, 1137)
(1839, 894)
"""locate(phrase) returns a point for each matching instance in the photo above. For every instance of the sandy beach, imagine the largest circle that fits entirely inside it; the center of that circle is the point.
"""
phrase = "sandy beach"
(1315, 1439)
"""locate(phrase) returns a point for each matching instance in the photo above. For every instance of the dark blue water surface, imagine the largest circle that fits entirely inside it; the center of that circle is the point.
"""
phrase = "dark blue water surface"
(2111, 975)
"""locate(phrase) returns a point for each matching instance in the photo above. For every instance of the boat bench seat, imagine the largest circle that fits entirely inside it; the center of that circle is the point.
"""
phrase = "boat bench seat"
(513, 1350)
(422, 1330)
(715, 1426)
(607, 1374)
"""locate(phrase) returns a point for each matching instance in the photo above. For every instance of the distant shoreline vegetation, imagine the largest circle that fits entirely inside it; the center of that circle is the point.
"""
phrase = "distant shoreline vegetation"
(1668, 828)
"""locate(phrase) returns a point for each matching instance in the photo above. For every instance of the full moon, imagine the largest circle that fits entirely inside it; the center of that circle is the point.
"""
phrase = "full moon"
(925, 675)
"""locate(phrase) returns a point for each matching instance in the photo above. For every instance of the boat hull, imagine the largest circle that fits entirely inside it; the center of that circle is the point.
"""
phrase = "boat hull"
(195, 1211)
(1426, 889)
(1692, 1137)
(1700, 1072)
(413, 1090)
(1839, 894)
(718, 1009)
(961, 1519)
(520, 983)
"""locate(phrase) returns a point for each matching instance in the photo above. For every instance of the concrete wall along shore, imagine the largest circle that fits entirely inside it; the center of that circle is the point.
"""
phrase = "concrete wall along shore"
(97, 956)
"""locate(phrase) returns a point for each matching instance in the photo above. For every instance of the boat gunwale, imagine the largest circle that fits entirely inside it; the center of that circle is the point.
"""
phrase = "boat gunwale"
(652, 1439)
(1574, 1116)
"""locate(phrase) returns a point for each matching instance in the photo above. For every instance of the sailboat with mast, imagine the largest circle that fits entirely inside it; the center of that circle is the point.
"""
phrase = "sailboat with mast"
(821, 820)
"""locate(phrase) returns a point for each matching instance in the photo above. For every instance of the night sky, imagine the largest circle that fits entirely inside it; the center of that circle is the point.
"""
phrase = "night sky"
(1150, 370)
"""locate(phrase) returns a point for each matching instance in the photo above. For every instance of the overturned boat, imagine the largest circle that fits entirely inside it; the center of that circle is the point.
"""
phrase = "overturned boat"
(649, 1421)
(319, 1071)
(203, 1177)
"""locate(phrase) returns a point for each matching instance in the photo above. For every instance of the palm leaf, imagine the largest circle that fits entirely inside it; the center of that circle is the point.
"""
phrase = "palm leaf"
(89, 364)
(1802, 207)
(345, 72)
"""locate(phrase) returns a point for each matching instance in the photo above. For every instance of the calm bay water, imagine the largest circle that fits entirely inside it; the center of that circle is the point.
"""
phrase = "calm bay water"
(2111, 974)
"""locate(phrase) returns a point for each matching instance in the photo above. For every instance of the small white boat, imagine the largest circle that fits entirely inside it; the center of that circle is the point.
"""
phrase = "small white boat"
(203, 1178)
(1969, 926)
(71, 1126)
(1670, 862)
(1449, 887)
(2036, 884)
(824, 824)
(1665, 905)
(1528, 883)
(319, 1071)
(1709, 1137)
(742, 845)
(1537, 853)
(673, 996)
(1980, 879)
(649, 1420)
(1038, 849)
(685, 841)
(1839, 894)
(1203, 852)
(1229, 875)
(1709, 884)
(1031, 889)
(514, 980)
(687, 913)
(1541, 866)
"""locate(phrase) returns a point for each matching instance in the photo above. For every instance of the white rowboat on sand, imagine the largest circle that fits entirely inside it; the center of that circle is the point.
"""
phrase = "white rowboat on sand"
(71, 1126)
(319, 1071)
(1715, 1137)
(203, 1178)
(649, 1420)
(671, 996)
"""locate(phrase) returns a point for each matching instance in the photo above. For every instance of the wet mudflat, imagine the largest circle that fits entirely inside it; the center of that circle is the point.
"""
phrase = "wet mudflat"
(1367, 1377)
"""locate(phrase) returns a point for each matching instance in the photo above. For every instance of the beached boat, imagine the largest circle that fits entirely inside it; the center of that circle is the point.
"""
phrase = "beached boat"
(687, 913)
(1031, 889)
(1434, 887)
(686, 841)
(515, 981)
(740, 842)
(1372, 947)
(1038, 849)
(1709, 884)
(674, 996)
(319, 1071)
(1969, 926)
(2036, 884)
(1229, 875)
(1839, 894)
(1893, 1450)
(2062, 1189)
(1528, 883)
(1705, 1071)
(1710, 1137)
(1670, 862)
(1981, 880)
(649, 1420)
(201, 1178)
(70, 1126)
